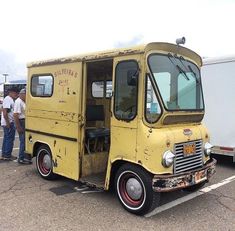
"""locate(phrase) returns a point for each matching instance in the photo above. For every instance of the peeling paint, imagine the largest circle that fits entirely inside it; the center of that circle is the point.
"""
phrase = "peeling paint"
(92, 56)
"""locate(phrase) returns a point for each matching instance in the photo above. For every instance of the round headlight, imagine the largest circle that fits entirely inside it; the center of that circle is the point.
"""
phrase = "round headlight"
(168, 159)
(207, 149)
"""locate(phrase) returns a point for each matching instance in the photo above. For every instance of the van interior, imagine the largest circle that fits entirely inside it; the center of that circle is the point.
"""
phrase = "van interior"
(97, 125)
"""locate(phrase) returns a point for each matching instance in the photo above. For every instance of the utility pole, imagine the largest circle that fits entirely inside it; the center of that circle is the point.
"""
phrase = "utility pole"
(5, 75)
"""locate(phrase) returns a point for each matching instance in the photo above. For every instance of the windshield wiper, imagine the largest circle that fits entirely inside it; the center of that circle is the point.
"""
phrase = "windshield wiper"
(189, 67)
(181, 71)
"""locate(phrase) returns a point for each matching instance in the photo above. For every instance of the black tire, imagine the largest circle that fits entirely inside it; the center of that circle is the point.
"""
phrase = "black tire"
(143, 199)
(44, 163)
(195, 187)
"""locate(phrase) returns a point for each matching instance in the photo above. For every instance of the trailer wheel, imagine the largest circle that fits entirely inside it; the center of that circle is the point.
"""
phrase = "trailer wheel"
(195, 187)
(134, 189)
(44, 162)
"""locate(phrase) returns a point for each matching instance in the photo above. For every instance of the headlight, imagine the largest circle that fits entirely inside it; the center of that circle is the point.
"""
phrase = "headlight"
(168, 159)
(207, 149)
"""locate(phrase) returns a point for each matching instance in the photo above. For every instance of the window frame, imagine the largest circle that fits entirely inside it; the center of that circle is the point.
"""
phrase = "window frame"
(41, 75)
(137, 90)
(146, 99)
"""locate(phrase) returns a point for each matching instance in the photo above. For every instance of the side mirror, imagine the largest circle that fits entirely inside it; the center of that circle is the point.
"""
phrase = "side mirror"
(132, 77)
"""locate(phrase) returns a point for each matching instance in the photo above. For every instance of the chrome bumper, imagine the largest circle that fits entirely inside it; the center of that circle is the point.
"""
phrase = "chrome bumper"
(167, 183)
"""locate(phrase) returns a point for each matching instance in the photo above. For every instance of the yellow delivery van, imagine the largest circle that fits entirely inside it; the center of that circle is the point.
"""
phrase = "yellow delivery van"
(128, 118)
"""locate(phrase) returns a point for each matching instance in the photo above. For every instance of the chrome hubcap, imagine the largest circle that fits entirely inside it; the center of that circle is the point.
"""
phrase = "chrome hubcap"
(134, 189)
(47, 161)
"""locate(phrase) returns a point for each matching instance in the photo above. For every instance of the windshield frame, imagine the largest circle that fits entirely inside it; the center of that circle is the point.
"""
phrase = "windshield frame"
(159, 92)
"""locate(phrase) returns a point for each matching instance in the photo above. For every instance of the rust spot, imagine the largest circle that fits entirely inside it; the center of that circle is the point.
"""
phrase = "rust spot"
(54, 143)
(168, 143)
(55, 164)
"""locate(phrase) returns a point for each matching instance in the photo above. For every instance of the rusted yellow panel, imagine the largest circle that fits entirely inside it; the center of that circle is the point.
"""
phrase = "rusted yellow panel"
(122, 52)
(56, 120)
(152, 143)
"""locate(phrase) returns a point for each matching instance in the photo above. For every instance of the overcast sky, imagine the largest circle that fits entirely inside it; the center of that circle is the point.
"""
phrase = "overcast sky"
(42, 29)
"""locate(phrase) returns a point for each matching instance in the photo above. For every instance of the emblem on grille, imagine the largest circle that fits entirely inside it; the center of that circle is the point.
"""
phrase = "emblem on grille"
(188, 132)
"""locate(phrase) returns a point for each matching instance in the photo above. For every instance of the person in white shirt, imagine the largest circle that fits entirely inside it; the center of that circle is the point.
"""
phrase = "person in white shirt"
(7, 122)
(19, 117)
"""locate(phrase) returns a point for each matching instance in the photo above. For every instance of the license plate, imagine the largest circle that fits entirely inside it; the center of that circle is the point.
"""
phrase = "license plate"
(200, 176)
(189, 149)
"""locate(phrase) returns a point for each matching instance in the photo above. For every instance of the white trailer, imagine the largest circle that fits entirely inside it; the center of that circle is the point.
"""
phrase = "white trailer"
(218, 79)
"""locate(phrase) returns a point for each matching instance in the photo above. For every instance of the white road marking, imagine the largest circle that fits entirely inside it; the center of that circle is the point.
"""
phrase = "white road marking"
(189, 197)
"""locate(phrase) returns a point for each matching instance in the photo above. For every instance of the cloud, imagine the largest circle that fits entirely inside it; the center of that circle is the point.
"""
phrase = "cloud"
(9, 65)
(138, 39)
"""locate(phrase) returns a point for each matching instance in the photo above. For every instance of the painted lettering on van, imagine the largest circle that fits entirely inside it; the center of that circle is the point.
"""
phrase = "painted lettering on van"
(67, 72)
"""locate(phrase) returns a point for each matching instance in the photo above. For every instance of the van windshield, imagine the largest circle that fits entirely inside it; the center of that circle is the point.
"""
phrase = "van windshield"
(178, 81)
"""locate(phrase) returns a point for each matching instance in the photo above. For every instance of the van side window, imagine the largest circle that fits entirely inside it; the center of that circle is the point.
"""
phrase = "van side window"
(42, 86)
(126, 90)
(98, 89)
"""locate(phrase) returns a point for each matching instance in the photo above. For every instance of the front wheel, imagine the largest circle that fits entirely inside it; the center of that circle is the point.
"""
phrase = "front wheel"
(134, 189)
(44, 163)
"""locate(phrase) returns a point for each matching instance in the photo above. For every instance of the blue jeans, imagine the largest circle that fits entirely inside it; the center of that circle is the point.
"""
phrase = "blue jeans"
(8, 140)
(22, 140)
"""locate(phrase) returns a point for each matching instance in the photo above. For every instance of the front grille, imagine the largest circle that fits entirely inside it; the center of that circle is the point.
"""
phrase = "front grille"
(185, 163)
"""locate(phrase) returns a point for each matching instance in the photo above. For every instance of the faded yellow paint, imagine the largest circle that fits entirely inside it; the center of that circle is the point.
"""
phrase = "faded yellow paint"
(49, 118)
(62, 116)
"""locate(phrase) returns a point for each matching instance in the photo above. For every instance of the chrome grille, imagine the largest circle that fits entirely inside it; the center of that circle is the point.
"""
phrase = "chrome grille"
(185, 163)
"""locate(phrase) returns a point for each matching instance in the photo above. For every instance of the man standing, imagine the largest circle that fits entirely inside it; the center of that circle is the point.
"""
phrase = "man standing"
(7, 122)
(19, 117)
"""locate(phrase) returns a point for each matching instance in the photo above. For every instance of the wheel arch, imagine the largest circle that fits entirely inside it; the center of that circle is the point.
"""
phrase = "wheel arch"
(117, 164)
(37, 145)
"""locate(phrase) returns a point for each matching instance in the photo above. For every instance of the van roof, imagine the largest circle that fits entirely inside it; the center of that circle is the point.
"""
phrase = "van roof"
(221, 59)
(102, 55)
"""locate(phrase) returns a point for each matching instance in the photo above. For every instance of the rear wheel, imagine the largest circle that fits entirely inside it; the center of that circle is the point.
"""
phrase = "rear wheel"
(134, 189)
(44, 162)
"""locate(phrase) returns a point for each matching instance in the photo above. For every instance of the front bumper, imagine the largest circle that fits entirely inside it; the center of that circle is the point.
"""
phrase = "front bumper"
(167, 183)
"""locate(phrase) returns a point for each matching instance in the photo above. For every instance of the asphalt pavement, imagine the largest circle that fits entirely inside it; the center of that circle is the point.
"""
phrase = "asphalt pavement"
(28, 202)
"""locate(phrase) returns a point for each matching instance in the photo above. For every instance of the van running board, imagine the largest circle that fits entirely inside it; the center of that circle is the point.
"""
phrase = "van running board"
(95, 181)
(86, 189)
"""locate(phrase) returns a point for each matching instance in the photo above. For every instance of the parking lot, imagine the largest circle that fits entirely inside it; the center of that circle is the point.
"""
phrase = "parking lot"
(27, 202)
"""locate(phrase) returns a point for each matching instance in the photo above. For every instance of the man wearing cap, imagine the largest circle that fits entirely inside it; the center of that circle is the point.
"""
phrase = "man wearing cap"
(7, 122)
(19, 117)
